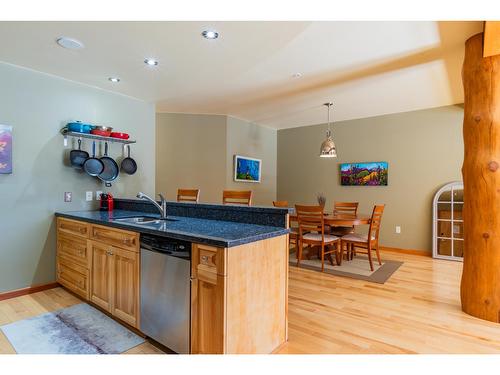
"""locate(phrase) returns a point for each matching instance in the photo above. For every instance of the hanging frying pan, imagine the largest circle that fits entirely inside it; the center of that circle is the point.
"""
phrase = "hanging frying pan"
(111, 170)
(78, 157)
(128, 165)
(93, 166)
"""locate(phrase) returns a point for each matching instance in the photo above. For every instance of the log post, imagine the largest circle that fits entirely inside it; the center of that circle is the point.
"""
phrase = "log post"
(480, 287)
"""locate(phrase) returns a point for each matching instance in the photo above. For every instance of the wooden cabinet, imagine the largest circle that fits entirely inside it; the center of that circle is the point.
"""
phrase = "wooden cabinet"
(101, 265)
(125, 286)
(73, 257)
(115, 281)
(101, 271)
(208, 293)
(239, 297)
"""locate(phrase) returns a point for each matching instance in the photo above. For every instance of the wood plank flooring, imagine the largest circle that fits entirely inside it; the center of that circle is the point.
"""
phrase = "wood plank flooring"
(416, 311)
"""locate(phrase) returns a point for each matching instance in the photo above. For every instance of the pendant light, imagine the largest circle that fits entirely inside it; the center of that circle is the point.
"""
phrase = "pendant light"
(328, 149)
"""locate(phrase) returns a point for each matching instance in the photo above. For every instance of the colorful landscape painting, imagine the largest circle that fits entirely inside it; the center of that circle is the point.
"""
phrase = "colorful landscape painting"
(364, 174)
(5, 149)
(246, 169)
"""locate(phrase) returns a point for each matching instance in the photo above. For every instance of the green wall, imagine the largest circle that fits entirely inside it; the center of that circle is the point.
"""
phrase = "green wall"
(424, 150)
(38, 106)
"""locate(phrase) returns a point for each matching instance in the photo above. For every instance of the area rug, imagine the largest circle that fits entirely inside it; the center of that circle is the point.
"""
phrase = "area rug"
(358, 268)
(79, 329)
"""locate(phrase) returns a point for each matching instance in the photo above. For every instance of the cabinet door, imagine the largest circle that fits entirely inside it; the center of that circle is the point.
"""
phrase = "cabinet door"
(208, 306)
(126, 286)
(102, 270)
(208, 313)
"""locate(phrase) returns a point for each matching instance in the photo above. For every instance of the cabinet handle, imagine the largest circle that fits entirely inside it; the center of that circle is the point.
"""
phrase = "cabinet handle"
(109, 252)
(204, 258)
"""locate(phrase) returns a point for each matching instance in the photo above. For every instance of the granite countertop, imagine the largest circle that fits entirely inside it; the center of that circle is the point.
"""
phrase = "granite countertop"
(211, 232)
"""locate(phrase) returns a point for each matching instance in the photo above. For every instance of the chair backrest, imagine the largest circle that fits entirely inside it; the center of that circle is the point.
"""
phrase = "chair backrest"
(188, 195)
(376, 220)
(237, 197)
(280, 203)
(345, 207)
(310, 219)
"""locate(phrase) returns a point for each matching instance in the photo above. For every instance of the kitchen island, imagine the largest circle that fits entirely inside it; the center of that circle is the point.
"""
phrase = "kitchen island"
(239, 269)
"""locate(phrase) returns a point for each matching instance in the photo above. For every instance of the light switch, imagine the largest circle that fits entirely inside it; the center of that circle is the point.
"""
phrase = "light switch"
(68, 196)
(398, 229)
(89, 196)
(98, 195)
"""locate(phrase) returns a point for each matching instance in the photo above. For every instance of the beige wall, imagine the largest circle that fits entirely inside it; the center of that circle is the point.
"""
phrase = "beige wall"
(424, 150)
(196, 151)
(247, 139)
(191, 153)
(38, 106)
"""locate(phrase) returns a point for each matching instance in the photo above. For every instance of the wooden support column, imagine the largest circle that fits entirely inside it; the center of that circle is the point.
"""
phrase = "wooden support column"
(480, 288)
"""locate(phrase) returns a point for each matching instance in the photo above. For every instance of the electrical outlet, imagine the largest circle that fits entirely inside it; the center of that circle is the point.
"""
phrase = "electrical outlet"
(68, 196)
(89, 196)
(98, 195)
(398, 229)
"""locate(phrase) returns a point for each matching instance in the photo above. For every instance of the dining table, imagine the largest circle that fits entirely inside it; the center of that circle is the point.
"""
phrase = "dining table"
(334, 219)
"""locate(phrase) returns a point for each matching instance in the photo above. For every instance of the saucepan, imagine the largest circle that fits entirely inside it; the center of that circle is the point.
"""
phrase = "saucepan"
(78, 157)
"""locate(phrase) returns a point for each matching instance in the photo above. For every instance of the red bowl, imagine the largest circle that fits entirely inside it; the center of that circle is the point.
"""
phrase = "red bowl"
(120, 135)
(102, 133)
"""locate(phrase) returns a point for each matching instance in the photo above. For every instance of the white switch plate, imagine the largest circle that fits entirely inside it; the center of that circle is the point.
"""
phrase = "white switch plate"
(98, 195)
(89, 196)
(68, 196)
(398, 229)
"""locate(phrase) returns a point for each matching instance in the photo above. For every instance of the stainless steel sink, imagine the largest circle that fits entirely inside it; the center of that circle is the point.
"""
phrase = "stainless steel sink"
(142, 220)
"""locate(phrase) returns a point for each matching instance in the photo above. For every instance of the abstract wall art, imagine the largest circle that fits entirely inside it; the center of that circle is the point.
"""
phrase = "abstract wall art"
(364, 174)
(5, 149)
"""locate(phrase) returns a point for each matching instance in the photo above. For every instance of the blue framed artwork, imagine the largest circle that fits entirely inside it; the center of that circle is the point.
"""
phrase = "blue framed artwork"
(247, 169)
(5, 149)
(364, 174)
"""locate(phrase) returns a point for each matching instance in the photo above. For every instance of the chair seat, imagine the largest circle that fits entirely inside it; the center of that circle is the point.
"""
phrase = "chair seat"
(317, 237)
(356, 237)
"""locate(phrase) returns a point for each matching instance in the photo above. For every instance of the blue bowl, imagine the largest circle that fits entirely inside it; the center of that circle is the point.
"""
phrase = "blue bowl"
(79, 127)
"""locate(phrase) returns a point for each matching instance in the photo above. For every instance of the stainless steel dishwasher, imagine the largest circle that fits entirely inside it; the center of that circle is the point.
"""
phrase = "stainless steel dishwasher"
(166, 291)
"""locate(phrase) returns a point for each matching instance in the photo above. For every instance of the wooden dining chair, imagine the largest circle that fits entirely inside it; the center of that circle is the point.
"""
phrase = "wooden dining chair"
(312, 232)
(294, 231)
(280, 203)
(188, 195)
(369, 241)
(344, 208)
(239, 197)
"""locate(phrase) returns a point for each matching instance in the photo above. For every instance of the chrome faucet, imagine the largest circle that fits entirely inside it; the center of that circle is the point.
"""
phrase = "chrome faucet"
(162, 207)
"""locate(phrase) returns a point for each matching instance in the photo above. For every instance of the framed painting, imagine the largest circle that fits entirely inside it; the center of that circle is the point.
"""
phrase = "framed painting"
(5, 149)
(247, 169)
(364, 174)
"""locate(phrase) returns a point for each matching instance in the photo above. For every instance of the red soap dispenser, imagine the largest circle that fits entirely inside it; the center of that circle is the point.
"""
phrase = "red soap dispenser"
(106, 202)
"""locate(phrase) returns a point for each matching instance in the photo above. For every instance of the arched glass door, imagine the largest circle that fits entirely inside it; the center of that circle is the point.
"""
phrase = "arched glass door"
(448, 225)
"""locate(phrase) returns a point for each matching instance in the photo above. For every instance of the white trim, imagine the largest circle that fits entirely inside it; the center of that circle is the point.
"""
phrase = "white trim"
(235, 163)
(452, 186)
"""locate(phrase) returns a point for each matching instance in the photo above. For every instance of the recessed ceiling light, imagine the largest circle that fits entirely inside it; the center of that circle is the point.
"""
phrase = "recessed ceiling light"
(69, 43)
(151, 62)
(296, 75)
(114, 79)
(210, 34)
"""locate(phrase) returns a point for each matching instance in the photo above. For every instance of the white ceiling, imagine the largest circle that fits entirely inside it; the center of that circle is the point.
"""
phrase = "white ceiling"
(366, 68)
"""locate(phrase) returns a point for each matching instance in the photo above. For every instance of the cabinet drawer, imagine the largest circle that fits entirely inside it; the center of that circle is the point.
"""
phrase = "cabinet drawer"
(77, 228)
(74, 248)
(73, 277)
(208, 259)
(116, 237)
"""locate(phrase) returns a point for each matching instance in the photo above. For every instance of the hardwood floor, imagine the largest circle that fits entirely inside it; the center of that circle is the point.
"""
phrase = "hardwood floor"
(416, 311)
